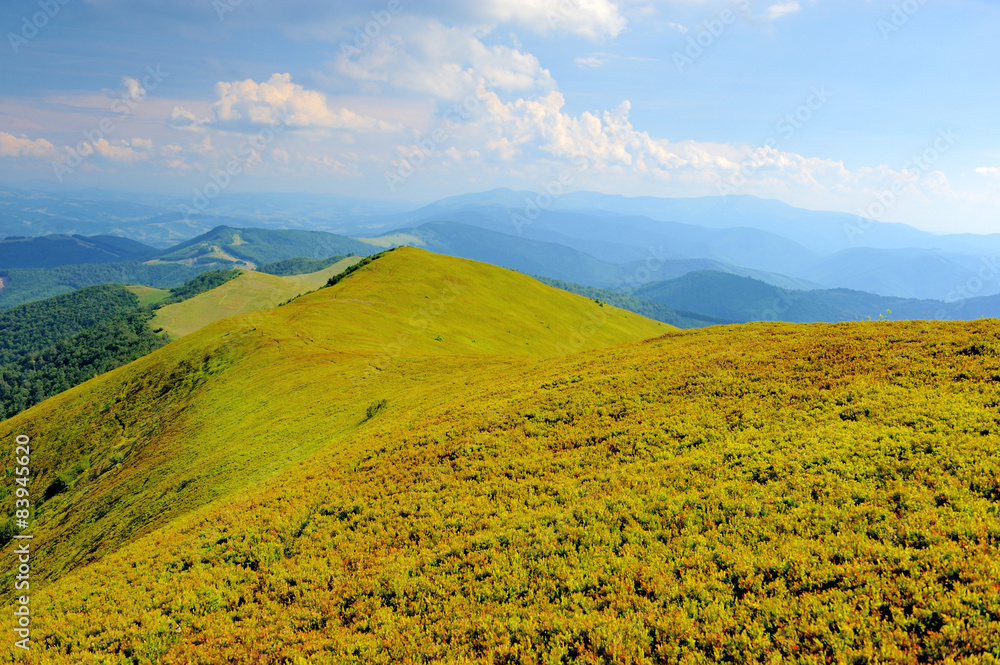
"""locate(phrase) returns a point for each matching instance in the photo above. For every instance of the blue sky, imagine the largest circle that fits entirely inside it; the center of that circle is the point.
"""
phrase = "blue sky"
(817, 103)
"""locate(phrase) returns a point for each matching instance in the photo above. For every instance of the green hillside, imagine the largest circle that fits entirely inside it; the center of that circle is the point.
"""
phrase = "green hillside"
(148, 295)
(32, 327)
(249, 292)
(49, 346)
(298, 265)
(206, 415)
(22, 286)
(436, 460)
(249, 248)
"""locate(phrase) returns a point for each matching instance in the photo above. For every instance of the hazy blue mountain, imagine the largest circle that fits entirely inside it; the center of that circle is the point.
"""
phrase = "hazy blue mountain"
(909, 273)
(821, 231)
(980, 307)
(565, 261)
(61, 250)
(652, 238)
(742, 299)
(617, 238)
(162, 221)
(741, 231)
(647, 308)
(527, 256)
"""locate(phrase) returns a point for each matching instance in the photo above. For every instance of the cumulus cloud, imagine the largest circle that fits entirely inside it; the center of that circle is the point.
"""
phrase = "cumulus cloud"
(181, 118)
(20, 146)
(119, 151)
(279, 102)
(276, 102)
(446, 62)
(537, 138)
(992, 171)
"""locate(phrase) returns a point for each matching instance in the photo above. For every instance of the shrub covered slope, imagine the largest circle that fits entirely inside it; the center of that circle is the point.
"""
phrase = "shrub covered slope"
(436, 460)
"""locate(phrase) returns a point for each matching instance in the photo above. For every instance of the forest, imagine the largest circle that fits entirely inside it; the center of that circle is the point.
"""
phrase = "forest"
(51, 345)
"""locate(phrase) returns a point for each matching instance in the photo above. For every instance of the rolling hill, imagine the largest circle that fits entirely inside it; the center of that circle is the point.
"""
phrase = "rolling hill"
(438, 459)
(339, 334)
(250, 292)
(21, 286)
(248, 247)
(410, 466)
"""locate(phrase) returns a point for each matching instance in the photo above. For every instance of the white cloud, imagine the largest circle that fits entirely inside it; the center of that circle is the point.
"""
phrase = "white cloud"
(780, 9)
(447, 62)
(119, 151)
(992, 171)
(20, 146)
(592, 61)
(587, 18)
(133, 88)
(279, 102)
(181, 118)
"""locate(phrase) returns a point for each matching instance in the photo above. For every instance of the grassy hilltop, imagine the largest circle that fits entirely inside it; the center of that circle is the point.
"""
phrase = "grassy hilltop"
(439, 460)
(250, 292)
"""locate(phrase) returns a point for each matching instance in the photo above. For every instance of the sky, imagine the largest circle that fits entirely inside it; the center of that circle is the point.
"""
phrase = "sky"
(881, 108)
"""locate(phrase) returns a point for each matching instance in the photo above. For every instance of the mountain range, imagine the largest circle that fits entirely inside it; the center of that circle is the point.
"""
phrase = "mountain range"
(581, 238)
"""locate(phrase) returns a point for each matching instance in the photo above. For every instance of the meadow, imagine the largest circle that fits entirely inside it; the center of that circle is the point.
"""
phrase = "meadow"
(438, 460)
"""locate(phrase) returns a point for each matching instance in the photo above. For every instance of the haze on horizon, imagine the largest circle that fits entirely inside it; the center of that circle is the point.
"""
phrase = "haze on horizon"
(879, 106)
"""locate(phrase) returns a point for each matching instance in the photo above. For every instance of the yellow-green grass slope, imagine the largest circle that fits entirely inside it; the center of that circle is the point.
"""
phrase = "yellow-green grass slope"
(147, 294)
(759, 493)
(250, 292)
(228, 406)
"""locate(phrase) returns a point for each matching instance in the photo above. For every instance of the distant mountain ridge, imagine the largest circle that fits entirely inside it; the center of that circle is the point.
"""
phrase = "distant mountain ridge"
(821, 249)
(251, 247)
(744, 300)
(58, 250)
(586, 238)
